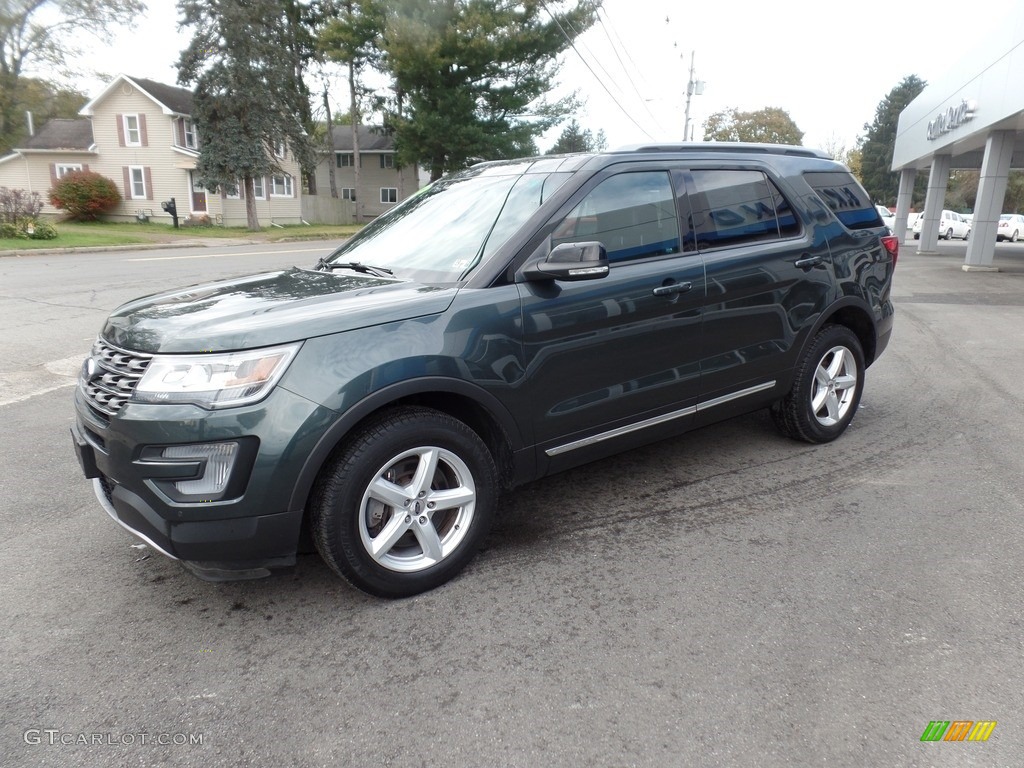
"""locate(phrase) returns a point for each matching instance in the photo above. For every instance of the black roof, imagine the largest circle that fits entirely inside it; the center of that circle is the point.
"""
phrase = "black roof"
(61, 133)
(371, 139)
(177, 99)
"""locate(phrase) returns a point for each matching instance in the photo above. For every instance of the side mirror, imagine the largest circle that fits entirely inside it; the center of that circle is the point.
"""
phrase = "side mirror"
(571, 261)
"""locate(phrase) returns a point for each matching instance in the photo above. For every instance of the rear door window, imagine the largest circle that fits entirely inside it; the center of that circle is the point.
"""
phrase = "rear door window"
(734, 207)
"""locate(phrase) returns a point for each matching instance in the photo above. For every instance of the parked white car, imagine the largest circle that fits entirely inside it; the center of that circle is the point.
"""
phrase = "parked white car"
(951, 224)
(1011, 227)
(887, 216)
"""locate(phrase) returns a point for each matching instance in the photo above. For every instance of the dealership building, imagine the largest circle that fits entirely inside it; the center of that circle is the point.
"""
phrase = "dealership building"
(973, 117)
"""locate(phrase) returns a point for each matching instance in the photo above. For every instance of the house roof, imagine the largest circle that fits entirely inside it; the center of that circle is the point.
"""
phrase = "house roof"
(171, 99)
(61, 134)
(371, 139)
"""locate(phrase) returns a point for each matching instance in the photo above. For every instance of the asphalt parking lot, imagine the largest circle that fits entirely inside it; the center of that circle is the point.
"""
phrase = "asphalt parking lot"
(729, 598)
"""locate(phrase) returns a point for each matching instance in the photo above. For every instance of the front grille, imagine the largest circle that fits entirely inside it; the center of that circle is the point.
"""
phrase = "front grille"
(111, 375)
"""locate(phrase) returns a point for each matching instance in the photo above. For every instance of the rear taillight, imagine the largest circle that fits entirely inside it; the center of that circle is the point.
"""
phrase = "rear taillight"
(891, 243)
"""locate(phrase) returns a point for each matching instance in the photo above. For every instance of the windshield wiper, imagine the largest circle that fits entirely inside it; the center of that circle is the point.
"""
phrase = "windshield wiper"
(368, 269)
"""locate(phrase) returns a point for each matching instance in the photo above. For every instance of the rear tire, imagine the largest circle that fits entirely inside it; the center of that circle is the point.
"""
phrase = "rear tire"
(826, 389)
(406, 503)
(949, 234)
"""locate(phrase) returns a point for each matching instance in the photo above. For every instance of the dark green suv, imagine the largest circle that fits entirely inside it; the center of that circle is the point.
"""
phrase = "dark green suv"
(504, 323)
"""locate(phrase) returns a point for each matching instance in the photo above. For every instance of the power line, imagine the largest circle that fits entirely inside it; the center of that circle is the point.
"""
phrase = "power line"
(615, 50)
(600, 82)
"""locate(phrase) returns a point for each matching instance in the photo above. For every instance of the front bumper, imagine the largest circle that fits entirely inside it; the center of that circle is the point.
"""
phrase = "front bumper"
(243, 534)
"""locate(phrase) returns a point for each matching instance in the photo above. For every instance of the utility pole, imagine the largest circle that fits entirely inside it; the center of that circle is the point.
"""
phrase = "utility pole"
(693, 88)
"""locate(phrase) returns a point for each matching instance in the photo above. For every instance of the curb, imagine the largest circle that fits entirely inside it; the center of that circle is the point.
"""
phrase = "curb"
(154, 246)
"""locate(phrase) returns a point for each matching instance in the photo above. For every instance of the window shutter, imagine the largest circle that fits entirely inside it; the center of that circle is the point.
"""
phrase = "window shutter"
(120, 130)
(142, 130)
(148, 176)
(53, 174)
(181, 132)
(127, 183)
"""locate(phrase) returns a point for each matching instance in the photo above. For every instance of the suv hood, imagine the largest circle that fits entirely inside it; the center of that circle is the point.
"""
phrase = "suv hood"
(267, 309)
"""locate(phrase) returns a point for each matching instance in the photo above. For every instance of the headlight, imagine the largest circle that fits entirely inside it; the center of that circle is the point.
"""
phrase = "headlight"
(215, 380)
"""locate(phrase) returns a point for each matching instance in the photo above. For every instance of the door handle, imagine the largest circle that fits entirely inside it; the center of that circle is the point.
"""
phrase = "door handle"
(807, 263)
(672, 289)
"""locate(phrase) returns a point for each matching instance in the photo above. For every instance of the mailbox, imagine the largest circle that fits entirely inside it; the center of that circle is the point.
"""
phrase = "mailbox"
(171, 208)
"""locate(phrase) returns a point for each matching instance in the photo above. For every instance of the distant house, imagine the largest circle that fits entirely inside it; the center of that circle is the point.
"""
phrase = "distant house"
(382, 183)
(139, 133)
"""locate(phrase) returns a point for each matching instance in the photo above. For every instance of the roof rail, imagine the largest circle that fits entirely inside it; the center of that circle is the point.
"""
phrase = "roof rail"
(727, 147)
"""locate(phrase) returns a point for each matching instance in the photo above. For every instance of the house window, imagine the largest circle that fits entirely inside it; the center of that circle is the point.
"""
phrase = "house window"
(389, 194)
(348, 193)
(387, 161)
(279, 149)
(132, 131)
(259, 191)
(281, 186)
(137, 179)
(61, 170)
(190, 134)
(343, 159)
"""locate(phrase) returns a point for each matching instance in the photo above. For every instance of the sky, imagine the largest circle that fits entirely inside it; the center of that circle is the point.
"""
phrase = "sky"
(828, 63)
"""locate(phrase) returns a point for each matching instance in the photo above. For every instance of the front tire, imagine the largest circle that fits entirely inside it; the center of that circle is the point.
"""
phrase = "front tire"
(406, 503)
(826, 390)
(1013, 237)
(967, 236)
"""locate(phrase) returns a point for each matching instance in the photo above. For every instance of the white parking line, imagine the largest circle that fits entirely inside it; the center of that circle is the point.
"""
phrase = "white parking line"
(217, 255)
(36, 393)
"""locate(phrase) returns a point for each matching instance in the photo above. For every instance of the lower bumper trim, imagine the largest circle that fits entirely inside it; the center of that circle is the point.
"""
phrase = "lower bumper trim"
(97, 488)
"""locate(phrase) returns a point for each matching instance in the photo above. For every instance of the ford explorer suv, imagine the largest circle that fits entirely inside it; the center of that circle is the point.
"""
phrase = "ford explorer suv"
(504, 323)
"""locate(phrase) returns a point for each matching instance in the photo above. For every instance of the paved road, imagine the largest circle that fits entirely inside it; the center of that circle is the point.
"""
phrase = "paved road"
(730, 598)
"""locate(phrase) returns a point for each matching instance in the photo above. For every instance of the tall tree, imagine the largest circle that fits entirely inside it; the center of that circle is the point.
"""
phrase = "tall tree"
(473, 74)
(575, 139)
(353, 38)
(43, 34)
(769, 125)
(880, 141)
(247, 102)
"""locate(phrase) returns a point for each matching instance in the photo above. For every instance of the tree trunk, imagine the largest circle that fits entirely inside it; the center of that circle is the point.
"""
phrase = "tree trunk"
(252, 220)
(332, 162)
(356, 162)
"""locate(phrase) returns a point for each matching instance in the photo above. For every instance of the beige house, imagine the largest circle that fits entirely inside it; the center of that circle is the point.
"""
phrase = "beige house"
(139, 134)
(381, 183)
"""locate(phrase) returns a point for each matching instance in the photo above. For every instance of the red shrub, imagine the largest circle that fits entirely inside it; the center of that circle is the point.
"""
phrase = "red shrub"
(85, 195)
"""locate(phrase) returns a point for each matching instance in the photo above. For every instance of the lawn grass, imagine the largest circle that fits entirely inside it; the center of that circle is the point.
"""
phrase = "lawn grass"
(99, 234)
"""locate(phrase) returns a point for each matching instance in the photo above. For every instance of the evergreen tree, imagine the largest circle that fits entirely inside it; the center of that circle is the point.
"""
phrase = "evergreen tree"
(246, 62)
(877, 149)
(769, 125)
(472, 74)
(575, 139)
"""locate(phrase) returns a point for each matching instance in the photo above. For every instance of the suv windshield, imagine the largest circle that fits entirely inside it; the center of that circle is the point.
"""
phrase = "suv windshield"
(443, 231)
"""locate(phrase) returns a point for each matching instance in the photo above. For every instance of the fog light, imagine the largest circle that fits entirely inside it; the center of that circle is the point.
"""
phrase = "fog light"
(220, 458)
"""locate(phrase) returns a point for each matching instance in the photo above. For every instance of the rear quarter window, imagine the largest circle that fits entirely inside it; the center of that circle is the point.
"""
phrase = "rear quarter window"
(845, 197)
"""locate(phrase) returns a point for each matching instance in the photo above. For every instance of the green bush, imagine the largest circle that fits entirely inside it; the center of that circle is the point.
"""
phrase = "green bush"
(42, 230)
(10, 231)
(85, 195)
